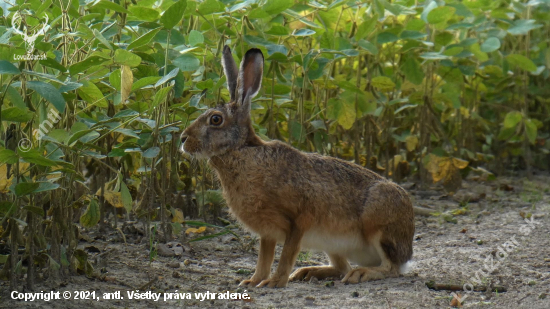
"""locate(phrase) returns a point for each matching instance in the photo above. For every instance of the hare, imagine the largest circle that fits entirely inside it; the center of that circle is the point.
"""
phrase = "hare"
(304, 200)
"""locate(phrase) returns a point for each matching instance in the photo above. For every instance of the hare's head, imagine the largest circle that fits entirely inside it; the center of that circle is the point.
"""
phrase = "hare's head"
(228, 127)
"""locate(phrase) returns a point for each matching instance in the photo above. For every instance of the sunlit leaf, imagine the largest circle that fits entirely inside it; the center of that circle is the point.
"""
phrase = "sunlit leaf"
(124, 57)
(383, 83)
(521, 62)
(172, 16)
(440, 14)
(91, 94)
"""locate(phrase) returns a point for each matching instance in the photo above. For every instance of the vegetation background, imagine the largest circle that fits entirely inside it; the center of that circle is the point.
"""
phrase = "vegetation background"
(427, 91)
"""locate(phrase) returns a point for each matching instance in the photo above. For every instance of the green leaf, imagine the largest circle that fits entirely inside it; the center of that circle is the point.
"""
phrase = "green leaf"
(49, 62)
(303, 32)
(144, 14)
(49, 93)
(126, 197)
(91, 94)
(149, 80)
(531, 130)
(115, 79)
(506, 133)
(413, 71)
(187, 62)
(16, 114)
(46, 186)
(144, 39)
(440, 14)
(368, 46)
(512, 119)
(35, 210)
(8, 68)
(386, 37)
(123, 57)
(343, 111)
(36, 157)
(297, 131)
(172, 16)
(108, 5)
(89, 62)
(7, 156)
(151, 152)
(476, 50)
(75, 136)
(365, 28)
(5, 208)
(24, 188)
(13, 97)
(521, 62)
(211, 6)
(490, 45)
(91, 216)
(161, 95)
(53, 264)
(102, 39)
(167, 77)
(522, 26)
(277, 30)
(195, 38)
(383, 83)
(273, 7)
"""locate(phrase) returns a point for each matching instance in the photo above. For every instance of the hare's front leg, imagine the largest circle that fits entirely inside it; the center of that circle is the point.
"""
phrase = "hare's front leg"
(286, 262)
(265, 259)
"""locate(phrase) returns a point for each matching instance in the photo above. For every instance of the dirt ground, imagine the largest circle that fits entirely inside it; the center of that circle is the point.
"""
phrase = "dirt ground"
(497, 237)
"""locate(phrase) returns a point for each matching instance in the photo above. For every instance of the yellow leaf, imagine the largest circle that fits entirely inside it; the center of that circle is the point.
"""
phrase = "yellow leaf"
(439, 167)
(4, 183)
(383, 83)
(465, 112)
(127, 78)
(196, 231)
(458, 212)
(459, 163)
(412, 142)
(177, 216)
(114, 198)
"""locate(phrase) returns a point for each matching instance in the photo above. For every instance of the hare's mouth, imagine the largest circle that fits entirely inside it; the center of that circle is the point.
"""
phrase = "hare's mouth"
(195, 153)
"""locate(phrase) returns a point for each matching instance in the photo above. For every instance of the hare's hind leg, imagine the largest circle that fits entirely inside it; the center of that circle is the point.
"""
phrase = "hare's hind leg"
(386, 269)
(338, 266)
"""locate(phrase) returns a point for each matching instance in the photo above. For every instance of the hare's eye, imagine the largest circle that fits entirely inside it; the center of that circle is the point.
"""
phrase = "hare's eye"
(216, 120)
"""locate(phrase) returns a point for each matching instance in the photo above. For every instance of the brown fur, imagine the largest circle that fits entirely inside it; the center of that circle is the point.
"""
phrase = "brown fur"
(292, 197)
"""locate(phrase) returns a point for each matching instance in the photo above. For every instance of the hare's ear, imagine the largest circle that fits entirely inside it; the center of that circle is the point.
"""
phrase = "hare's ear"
(250, 77)
(231, 72)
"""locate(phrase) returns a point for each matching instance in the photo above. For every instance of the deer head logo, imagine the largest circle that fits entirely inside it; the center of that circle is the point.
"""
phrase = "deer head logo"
(28, 38)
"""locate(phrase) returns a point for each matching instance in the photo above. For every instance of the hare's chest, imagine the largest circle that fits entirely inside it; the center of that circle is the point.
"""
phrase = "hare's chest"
(256, 215)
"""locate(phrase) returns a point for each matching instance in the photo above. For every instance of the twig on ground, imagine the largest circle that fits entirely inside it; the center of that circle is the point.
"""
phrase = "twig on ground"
(455, 287)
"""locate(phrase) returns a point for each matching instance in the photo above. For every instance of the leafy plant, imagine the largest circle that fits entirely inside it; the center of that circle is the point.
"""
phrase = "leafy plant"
(409, 89)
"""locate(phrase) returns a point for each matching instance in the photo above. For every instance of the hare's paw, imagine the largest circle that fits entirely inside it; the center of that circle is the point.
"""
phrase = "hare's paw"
(319, 272)
(273, 282)
(250, 282)
(253, 281)
(363, 274)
